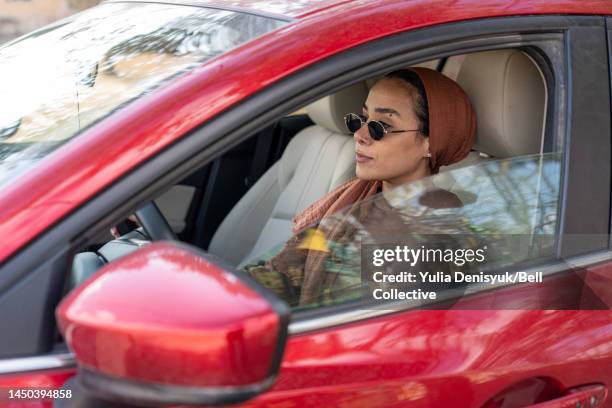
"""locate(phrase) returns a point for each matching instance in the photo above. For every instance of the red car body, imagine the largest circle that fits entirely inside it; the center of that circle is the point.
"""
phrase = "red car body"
(457, 357)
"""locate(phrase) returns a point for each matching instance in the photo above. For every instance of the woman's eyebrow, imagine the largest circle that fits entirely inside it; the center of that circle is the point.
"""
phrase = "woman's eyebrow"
(383, 110)
(387, 110)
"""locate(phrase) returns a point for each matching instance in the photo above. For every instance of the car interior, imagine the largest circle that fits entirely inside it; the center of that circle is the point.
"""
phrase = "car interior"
(242, 203)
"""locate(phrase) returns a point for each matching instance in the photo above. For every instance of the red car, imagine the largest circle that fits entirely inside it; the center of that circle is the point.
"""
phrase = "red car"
(215, 123)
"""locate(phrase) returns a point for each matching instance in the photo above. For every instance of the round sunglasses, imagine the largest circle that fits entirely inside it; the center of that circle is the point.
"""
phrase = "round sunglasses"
(377, 130)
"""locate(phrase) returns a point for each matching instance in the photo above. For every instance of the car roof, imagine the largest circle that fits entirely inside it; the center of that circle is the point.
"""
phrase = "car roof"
(286, 10)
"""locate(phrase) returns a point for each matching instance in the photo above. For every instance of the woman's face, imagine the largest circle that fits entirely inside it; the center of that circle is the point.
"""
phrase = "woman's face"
(398, 157)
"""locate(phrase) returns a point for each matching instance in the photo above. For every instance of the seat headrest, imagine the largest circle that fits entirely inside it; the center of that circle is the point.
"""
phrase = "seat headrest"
(329, 111)
(508, 92)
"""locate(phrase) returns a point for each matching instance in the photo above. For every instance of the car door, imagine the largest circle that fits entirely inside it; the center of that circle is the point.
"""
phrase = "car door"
(546, 344)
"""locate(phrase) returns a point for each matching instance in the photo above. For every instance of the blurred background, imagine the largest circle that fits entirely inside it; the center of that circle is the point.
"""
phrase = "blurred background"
(18, 17)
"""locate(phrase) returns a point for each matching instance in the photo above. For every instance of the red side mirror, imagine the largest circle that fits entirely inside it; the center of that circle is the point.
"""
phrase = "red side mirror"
(168, 325)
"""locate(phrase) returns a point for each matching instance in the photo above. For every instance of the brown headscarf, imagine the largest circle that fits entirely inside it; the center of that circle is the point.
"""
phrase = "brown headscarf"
(452, 133)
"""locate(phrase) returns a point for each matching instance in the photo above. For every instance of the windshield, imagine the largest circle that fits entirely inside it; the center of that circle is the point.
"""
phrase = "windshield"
(57, 81)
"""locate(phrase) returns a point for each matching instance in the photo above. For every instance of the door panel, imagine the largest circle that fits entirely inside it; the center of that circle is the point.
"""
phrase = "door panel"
(467, 358)
(458, 358)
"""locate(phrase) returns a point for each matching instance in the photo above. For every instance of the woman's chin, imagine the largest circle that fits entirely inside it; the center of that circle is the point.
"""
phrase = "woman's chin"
(365, 175)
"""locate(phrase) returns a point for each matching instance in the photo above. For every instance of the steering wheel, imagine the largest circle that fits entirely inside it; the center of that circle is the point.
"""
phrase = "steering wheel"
(154, 223)
(156, 228)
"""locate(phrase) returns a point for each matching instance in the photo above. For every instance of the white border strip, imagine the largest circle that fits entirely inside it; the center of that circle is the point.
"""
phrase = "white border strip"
(38, 363)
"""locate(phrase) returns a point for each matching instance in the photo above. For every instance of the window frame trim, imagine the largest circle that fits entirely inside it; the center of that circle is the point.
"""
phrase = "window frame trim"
(608, 27)
(585, 204)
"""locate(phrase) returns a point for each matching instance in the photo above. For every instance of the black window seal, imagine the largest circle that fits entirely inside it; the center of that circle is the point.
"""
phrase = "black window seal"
(609, 46)
(585, 202)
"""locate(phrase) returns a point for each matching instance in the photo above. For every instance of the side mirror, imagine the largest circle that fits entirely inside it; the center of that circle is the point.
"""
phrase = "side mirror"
(170, 325)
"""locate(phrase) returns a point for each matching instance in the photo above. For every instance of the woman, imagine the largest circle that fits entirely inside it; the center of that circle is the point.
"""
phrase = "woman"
(413, 121)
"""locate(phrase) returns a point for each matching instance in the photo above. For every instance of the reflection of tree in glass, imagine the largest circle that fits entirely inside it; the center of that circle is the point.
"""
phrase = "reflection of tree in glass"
(147, 43)
(514, 197)
(82, 4)
(512, 194)
(171, 41)
(206, 34)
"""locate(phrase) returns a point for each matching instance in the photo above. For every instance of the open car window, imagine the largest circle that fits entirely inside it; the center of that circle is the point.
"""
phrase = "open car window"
(508, 207)
(241, 204)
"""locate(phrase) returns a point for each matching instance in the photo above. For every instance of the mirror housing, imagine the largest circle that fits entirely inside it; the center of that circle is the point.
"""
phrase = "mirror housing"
(168, 324)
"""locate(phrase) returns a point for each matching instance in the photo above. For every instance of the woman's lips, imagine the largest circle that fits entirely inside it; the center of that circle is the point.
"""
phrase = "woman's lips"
(362, 158)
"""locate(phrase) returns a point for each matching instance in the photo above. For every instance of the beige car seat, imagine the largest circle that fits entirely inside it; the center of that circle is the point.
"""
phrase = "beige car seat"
(317, 159)
(508, 93)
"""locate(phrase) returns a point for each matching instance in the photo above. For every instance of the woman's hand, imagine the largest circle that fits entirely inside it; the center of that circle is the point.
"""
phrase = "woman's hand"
(115, 230)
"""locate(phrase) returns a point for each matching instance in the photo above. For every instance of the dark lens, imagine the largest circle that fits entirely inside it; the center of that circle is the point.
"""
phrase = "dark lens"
(377, 131)
(353, 123)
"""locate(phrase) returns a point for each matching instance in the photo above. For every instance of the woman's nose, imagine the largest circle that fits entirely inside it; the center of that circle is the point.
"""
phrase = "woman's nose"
(362, 136)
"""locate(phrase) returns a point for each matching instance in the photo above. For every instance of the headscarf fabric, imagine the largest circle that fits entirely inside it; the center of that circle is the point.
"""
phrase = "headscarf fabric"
(452, 120)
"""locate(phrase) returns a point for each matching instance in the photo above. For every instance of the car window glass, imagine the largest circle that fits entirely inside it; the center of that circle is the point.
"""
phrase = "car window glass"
(57, 81)
(510, 205)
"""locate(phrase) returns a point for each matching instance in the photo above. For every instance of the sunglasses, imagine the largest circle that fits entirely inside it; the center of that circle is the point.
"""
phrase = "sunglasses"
(377, 130)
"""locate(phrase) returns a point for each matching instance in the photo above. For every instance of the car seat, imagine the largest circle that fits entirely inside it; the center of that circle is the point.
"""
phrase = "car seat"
(317, 159)
(508, 93)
